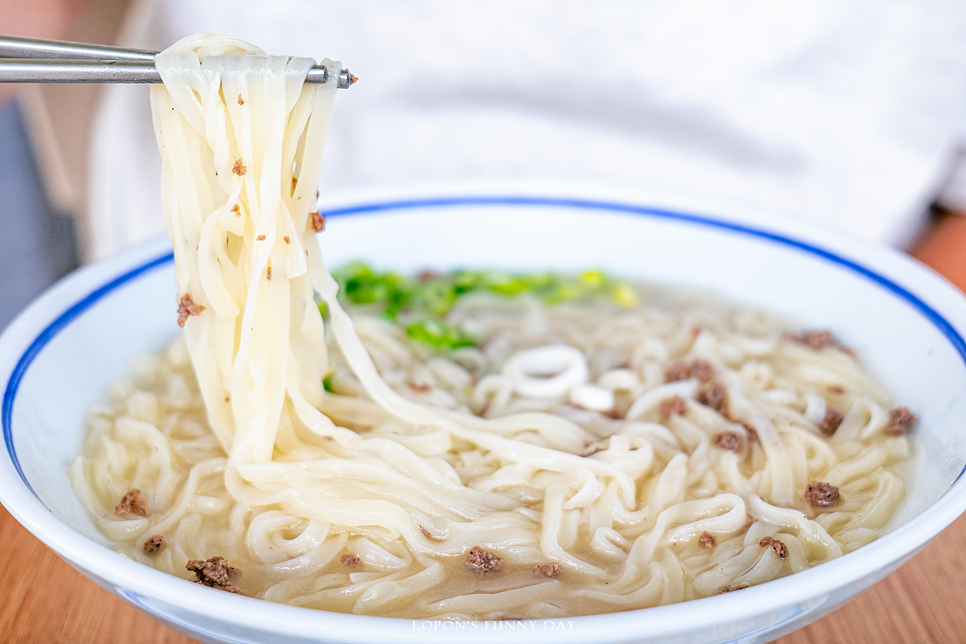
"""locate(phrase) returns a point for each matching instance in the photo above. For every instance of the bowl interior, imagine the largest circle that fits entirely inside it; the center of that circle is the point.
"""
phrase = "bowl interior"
(904, 323)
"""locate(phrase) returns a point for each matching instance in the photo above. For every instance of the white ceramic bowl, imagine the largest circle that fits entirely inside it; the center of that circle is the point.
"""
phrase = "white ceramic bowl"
(905, 323)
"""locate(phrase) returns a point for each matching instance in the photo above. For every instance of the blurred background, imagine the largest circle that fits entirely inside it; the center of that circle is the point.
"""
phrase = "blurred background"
(848, 113)
(851, 113)
(44, 140)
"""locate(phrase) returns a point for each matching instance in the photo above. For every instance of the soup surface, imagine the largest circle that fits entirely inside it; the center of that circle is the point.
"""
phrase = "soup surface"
(607, 445)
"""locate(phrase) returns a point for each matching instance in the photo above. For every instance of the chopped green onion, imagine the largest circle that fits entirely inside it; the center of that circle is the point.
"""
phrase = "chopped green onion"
(432, 297)
(594, 280)
(439, 335)
(624, 295)
(361, 285)
(510, 285)
(466, 281)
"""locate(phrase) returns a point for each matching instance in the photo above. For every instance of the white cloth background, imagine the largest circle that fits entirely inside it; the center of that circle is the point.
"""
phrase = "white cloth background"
(848, 112)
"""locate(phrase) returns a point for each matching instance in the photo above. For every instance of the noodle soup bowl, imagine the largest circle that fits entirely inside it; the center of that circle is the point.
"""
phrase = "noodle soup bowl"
(905, 323)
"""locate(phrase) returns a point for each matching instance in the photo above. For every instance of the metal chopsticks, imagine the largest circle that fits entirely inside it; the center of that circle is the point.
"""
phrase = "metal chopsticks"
(29, 60)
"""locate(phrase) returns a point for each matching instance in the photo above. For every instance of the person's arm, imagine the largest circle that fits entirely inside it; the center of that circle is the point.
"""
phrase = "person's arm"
(943, 248)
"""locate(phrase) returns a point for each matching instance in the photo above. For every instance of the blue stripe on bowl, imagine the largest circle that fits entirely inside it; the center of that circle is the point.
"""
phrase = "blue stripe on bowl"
(581, 204)
(55, 327)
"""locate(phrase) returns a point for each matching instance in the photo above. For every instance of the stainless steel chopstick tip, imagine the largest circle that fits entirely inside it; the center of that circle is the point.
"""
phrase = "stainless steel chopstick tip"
(28, 60)
(22, 70)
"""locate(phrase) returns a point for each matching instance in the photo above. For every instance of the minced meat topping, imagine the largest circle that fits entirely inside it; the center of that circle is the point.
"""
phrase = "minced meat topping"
(187, 307)
(214, 573)
(673, 406)
(154, 544)
(822, 495)
(830, 422)
(700, 369)
(728, 440)
(714, 396)
(132, 503)
(547, 570)
(900, 422)
(778, 546)
(482, 561)
(818, 340)
(351, 561)
(317, 221)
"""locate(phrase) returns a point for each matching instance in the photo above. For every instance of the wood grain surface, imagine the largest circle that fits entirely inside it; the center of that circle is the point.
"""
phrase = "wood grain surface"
(43, 600)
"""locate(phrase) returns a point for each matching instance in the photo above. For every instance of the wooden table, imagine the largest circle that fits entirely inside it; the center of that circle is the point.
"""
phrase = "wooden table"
(42, 599)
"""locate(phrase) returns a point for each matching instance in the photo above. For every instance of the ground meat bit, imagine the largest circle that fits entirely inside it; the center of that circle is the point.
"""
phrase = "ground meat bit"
(187, 307)
(778, 546)
(295, 181)
(715, 396)
(730, 589)
(350, 561)
(728, 440)
(425, 532)
(214, 573)
(547, 570)
(818, 340)
(900, 422)
(287, 239)
(132, 503)
(700, 369)
(237, 210)
(268, 273)
(749, 521)
(830, 422)
(241, 101)
(420, 387)
(674, 405)
(822, 495)
(481, 561)
(154, 544)
(677, 371)
(318, 221)
(239, 168)
(707, 540)
(836, 389)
